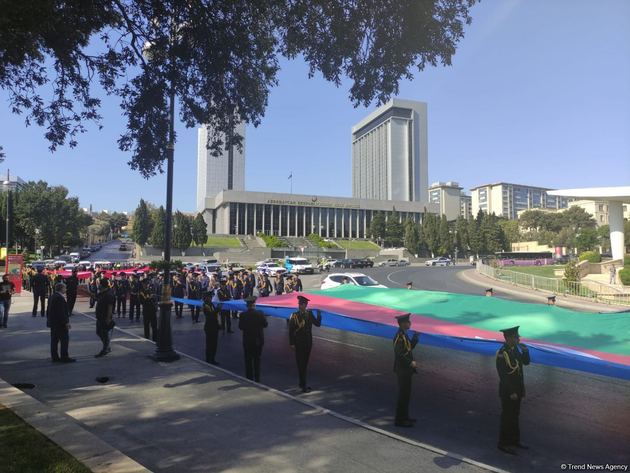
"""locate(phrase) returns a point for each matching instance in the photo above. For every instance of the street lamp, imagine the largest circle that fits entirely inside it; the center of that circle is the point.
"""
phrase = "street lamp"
(7, 184)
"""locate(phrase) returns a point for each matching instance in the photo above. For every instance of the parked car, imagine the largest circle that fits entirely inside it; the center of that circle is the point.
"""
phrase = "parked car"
(122, 247)
(271, 269)
(326, 265)
(298, 265)
(84, 265)
(357, 279)
(365, 263)
(70, 267)
(403, 262)
(346, 263)
(441, 261)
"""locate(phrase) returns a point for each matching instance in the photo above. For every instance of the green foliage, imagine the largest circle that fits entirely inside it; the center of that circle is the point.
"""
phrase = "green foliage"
(377, 229)
(431, 233)
(357, 245)
(511, 231)
(462, 240)
(141, 224)
(626, 261)
(571, 272)
(182, 235)
(586, 240)
(393, 230)
(221, 241)
(161, 265)
(272, 241)
(591, 257)
(444, 237)
(199, 230)
(412, 237)
(559, 228)
(624, 276)
(319, 241)
(158, 217)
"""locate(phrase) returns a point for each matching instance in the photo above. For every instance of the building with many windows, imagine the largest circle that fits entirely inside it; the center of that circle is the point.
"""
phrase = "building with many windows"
(294, 215)
(451, 199)
(11, 183)
(506, 200)
(218, 173)
(390, 153)
(465, 203)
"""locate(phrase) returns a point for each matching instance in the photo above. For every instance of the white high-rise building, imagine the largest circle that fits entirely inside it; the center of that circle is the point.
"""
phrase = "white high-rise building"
(217, 173)
(390, 153)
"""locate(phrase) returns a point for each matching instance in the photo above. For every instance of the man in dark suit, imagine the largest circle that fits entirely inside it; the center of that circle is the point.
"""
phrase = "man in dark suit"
(40, 285)
(72, 286)
(252, 322)
(405, 368)
(511, 358)
(59, 324)
(301, 337)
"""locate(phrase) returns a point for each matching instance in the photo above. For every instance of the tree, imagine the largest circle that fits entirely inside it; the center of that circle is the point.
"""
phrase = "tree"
(156, 239)
(393, 230)
(474, 234)
(199, 50)
(377, 227)
(430, 233)
(510, 230)
(603, 237)
(586, 240)
(462, 240)
(412, 237)
(182, 234)
(199, 230)
(445, 242)
(577, 218)
(141, 224)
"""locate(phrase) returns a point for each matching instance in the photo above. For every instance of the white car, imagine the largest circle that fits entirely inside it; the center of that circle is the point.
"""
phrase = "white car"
(271, 269)
(297, 265)
(357, 279)
(86, 264)
(441, 261)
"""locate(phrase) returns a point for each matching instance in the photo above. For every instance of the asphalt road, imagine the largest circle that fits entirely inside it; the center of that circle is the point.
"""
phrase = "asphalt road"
(110, 252)
(568, 417)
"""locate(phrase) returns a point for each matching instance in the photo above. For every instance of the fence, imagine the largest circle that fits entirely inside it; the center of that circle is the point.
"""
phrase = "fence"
(591, 290)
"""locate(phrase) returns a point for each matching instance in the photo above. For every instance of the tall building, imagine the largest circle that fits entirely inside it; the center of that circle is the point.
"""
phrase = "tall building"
(218, 173)
(450, 198)
(390, 153)
(13, 183)
(466, 206)
(506, 200)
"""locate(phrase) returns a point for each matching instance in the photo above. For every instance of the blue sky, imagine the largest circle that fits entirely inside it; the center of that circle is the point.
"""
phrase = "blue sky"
(538, 93)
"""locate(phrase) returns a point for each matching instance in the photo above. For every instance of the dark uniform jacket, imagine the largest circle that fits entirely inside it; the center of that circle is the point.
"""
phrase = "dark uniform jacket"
(223, 293)
(236, 288)
(301, 327)
(510, 363)
(40, 283)
(105, 301)
(403, 353)
(179, 290)
(58, 312)
(252, 322)
(72, 284)
(212, 318)
(194, 290)
(122, 288)
(134, 287)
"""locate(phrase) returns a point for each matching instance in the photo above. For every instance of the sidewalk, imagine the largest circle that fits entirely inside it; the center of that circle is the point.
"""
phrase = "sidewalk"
(473, 277)
(190, 417)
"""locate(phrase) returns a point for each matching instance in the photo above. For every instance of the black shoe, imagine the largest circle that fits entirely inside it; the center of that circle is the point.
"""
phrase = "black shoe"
(34, 315)
(506, 449)
(521, 446)
(230, 331)
(306, 389)
(99, 354)
(67, 360)
(215, 363)
(56, 360)
(403, 423)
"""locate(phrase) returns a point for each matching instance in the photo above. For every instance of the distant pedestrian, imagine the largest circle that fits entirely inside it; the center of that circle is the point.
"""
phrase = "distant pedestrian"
(40, 285)
(134, 298)
(613, 274)
(252, 323)
(510, 359)
(59, 323)
(105, 301)
(301, 337)
(7, 289)
(410, 285)
(211, 327)
(405, 368)
(72, 287)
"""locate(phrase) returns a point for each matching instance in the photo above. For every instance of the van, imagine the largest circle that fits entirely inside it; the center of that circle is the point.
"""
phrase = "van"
(298, 265)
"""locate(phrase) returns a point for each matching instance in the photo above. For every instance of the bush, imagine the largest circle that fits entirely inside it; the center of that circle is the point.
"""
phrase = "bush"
(319, 241)
(626, 261)
(272, 241)
(571, 272)
(591, 257)
(624, 276)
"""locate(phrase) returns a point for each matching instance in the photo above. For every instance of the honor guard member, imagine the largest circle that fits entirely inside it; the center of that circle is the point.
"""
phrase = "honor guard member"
(179, 291)
(194, 293)
(235, 287)
(93, 288)
(122, 290)
(510, 360)
(40, 285)
(223, 294)
(405, 368)
(264, 285)
(134, 298)
(72, 286)
(149, 311)
(252, 323)
(279, 284)
(211, 327)
(301, 337)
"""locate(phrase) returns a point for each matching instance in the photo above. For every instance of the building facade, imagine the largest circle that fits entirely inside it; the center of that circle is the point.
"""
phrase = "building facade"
(466, 206)
(390, 153)
(451, 199)
(218, 173)
(12, 183)
(598, 209)
(506, 200)
(294, 215)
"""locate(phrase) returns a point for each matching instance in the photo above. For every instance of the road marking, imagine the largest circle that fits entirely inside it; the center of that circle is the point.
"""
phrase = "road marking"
(343, 343)
(395, 272)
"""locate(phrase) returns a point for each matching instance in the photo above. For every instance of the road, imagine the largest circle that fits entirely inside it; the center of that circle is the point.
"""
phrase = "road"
(110, 252)
(567, 417)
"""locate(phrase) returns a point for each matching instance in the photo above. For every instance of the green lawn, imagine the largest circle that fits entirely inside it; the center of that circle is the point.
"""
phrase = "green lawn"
(357, 245)
(544, 271)
(216, 241)
(24, 450)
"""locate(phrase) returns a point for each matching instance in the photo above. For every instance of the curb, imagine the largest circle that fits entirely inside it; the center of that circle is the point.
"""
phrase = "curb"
(63, 430)
(322, 410)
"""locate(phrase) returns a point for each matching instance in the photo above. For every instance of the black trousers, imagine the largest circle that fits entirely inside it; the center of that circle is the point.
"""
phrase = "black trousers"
(71, 297)
(194, 311)
(121, 302)
(302, 354)
(134, 306)
(179, 310)
(252, 361)
(509, 431)
(212, 337)
(149, 320)
(59, 337)
(404, 395)
(39, 296)
(226, 320)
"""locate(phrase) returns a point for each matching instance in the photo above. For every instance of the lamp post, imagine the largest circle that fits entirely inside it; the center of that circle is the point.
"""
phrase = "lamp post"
(7, 184)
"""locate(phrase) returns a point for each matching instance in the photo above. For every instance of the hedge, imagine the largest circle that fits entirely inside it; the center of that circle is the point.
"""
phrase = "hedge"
(624, 276)
(591, 257)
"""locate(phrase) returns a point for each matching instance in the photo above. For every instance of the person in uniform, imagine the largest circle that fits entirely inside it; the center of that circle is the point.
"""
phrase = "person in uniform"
(252, 323)
(297, 283)
(511, 358)
(149, 311)
(211, 327)
(223, 294)
(59, 324)
(179, 291)
(301, 337)
(264, 285)
(194, 293)
(279, 284)
(72, 286)
(134, 298)
(93, 288)
(405, 368)
(7, 289)
(105, 301)
(235, 286)
(41, 286)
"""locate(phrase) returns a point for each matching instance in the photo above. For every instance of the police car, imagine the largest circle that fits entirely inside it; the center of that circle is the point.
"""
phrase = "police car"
(270, 268)
(299, 265)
